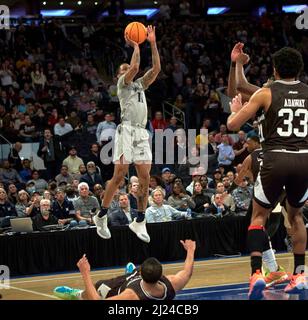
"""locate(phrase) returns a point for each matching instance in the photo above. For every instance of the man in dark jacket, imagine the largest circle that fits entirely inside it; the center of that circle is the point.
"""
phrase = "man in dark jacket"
(217, 208)
(124, 215)
(91, 177)
(45, 218)
(52, 152)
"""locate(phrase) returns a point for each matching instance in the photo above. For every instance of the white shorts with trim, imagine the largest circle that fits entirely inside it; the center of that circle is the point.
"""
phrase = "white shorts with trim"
(133, 143)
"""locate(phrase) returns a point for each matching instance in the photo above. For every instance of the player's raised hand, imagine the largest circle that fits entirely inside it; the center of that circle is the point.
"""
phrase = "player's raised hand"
(130, 42)
(83, 265)
(236, 51)
(236, 104)
(243, 58)
(189, 245)
(151, 34)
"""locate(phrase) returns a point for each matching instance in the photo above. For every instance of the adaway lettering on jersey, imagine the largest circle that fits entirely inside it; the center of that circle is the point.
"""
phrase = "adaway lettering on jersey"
(294, 103)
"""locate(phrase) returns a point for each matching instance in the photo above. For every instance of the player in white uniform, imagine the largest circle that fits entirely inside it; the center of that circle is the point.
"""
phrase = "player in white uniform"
(131, 139)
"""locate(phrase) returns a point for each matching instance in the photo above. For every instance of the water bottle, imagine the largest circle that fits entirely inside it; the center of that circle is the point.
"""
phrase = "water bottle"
(188, 214)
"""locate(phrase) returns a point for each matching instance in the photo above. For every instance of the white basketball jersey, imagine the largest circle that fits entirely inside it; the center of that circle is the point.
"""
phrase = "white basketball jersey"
(132, 102)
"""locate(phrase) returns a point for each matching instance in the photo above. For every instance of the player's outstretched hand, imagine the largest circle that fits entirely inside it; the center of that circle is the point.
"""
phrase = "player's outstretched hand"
(243, 58)
(236, 51)
(84, 265)
(189, 245)
(236, 104)
(151, 34)
(130, 42)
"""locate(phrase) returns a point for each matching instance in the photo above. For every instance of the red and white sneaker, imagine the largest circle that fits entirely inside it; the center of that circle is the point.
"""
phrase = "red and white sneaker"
(257, 285)
(297, 284)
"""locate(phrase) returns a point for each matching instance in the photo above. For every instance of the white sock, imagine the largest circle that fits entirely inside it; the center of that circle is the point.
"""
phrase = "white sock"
(79, 295)
(269, 259)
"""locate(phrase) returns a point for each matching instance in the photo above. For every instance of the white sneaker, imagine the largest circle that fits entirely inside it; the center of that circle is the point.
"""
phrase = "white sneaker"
(102, 227)
(140, 229)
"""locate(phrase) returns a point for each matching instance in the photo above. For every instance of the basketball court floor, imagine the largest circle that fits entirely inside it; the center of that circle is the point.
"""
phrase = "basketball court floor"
(213, 279)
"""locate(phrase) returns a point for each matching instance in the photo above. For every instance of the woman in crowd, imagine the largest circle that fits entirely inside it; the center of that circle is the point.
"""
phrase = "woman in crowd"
(201, 200)
(179, 199)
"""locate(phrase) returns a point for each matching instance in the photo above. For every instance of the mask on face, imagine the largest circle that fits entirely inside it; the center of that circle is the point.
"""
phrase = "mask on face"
(31, 189)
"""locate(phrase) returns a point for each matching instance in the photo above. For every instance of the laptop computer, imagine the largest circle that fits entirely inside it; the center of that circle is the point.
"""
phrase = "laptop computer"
(22, 225)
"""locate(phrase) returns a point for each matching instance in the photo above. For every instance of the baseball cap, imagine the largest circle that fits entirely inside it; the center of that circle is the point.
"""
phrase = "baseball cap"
(165, 170)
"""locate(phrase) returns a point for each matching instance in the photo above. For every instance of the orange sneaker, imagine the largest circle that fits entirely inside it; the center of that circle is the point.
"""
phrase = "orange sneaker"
(257, 285)
(277, 277)
(297, 284)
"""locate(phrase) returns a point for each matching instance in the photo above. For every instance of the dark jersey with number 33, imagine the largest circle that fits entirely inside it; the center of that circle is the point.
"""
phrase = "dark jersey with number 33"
(285, 124)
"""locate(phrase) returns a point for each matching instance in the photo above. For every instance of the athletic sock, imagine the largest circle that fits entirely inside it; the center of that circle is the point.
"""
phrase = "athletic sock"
(268, 257)
(140, 216)
(256, 263)
(269, 260)
(299, 261)
(103, 212)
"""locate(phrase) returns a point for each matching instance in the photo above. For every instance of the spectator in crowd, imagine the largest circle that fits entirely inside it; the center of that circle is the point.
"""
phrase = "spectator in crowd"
(217, 208)
(94, 156)
(73, 161)
(158, 122)
(155, 181)
(228, 200)
(45, 217)
(7, 209)
(105, 130)
(204, 180)
(201, 200)
(23, 202)
(225, 154)
(166, 179)
(51, 151)
(30, 187)
(26, 171)
(85, 205)
(124, 214)
(173, 124)
(223, 131)
(179, 199)
(71, 193)
(48, 194)
(231, 176)
(242, 196)
(62, 128)
(160, 212)
(39, 183)
(28, 132)
(254, 132)
(240, 149)
(226, 183)
(98, 192)
(217, 178)
(90, 126)
(62, 208)
(12, 193)
(133, 194)
(9, 175)
(64, 176)
(91, 177)
(14, 157)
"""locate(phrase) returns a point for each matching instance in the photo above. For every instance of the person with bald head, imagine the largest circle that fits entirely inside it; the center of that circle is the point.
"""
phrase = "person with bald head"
(240, 148)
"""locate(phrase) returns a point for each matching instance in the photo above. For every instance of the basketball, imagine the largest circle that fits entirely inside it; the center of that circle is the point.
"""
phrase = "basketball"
(136, 31)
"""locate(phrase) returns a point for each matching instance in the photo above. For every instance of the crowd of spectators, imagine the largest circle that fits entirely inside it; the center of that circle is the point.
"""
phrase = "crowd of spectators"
(58, 83)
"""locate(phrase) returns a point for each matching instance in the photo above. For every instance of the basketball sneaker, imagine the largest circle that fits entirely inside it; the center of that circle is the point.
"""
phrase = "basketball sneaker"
(67, 293)
(130, 267)
(273, 278)
(102, 226)
(140, 230)
(257, 285)
(297, 284)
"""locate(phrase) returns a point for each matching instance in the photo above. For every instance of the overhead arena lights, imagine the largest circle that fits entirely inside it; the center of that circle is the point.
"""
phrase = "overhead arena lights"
(294, 8)
(56, 13)
(217, 10)
(148, 12)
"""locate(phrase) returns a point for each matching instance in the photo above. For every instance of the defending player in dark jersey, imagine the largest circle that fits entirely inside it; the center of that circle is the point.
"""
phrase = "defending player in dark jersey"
(283, 109)
(144, 283)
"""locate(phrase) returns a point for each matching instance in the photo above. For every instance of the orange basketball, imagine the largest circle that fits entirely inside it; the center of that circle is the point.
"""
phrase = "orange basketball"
(136, 31)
